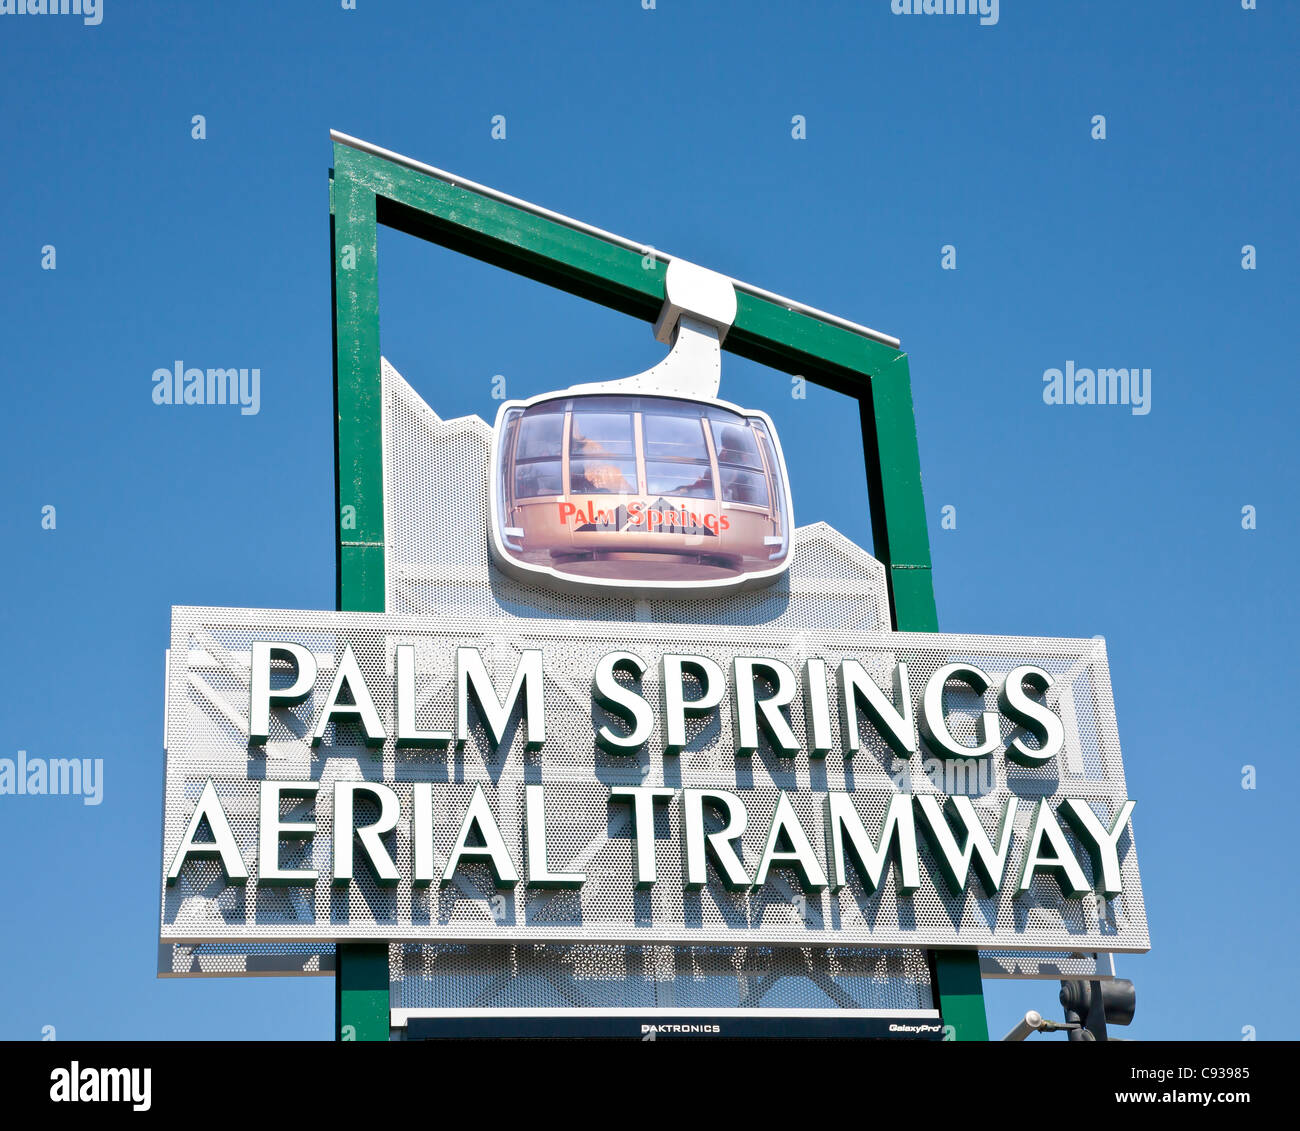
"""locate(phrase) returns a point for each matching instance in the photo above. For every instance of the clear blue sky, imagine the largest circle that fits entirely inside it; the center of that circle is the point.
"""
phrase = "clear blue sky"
(672, 127)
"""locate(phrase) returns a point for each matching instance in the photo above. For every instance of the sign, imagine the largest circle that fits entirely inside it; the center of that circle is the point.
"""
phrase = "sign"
(344, 775)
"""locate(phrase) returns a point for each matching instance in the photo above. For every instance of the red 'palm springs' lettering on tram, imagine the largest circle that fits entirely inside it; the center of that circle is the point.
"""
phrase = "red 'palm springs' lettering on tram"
(660, 517)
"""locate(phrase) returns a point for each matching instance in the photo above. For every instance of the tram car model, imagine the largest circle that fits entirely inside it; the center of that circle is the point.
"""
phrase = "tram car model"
(621, 490)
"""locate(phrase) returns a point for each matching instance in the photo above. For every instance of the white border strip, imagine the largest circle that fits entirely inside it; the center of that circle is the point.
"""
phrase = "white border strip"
(400, 1017)
(591, 230)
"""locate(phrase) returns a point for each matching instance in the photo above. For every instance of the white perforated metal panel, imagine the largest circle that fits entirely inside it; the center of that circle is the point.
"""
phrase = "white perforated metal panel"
(1048, 966)
(245, 960)
(456, 976)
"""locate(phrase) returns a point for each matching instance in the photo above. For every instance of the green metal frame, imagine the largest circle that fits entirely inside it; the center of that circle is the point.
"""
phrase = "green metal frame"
(369, 190)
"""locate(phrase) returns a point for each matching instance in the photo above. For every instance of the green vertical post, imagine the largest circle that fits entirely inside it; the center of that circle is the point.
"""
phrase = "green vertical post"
(960, 993)
(361, 969)
(361, 992)
(902, 542)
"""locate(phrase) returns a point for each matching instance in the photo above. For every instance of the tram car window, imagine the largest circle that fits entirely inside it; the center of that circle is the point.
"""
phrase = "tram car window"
(631, 489)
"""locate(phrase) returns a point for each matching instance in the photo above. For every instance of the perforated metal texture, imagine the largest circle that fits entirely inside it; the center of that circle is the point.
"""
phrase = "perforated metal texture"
(1045, 966)
(241, 959)
(477, 976)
